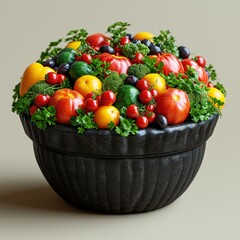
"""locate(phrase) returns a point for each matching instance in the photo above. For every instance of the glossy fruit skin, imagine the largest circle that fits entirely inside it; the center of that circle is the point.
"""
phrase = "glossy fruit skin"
(79, 69)
(138, 58)
(51, 78)
(34, 73)
(65, 57)
(156, 81)
(91, 105)
(131, 80)
(106, 114)
(124, 40)
(132, 111)
(33, 109)
(106, 49)
(216, 93)
(60, 78)
(96, 40)
(144, 35)
(151, 116)
(174, 104)
(127, 95)
(108, 98)
(42, 100)
(85, 57)
(171, 63)
(74, 45)
(145, 96)
(66, 101)
(63, 68)
(201, 61)
(183, 52)
(142, 84)
(118, 64)
(161, 121)
(142, 122)
(87, 84)
(202, 74)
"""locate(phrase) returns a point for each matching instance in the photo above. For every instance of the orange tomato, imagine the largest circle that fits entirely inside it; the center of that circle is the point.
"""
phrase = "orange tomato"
(87, 84)
(34, 72)
(156, 82)
(105, 114)
(144, 35)
(216, 93)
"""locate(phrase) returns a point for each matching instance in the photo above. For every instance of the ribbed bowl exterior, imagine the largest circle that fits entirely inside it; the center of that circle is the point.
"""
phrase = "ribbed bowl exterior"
(115, 181)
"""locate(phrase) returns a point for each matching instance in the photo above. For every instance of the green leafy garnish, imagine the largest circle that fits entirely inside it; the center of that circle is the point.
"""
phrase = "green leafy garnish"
(118, 30)
(76, 35)
(138, 70)
(129, 50)
(167, 42)
(212, 72)
(151, 64)
(44, 117)
(100, 69)
(201, 105)
(22, 104)
(126, 125)
(220, 87)
(83, 121)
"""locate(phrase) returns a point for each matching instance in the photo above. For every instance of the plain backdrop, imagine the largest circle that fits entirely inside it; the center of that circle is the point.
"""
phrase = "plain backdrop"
(209, 209)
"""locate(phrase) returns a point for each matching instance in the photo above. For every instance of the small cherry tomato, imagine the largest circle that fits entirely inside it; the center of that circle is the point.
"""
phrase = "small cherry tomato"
(86, 58)
(60, 78)
(132, 111)
(145, 96)
(51, 78)
(154, 93)
(210, 84)
(124, 40)
(142, 84)
(106, 43)
(201, 61)
(138, 58)
(141, 121)
(33, 109)
(151, 116)
(91, 105)
(150, 107)
(108, 98)
(118, 50)
(42, 100)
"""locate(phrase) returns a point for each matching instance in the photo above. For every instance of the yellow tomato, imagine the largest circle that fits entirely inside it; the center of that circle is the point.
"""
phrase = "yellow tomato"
(106, 114)
(144, 35)
(34, 72)
(87, 84)
(156, 82)
(74, 45)
(216, 93)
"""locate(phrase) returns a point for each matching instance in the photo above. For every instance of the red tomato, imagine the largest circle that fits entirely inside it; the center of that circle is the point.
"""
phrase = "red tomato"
(66, 101)
(150, 107)
(171, 64)
(142, 84)
(174, 104)
(201, 61)
(60, 78)
(202, 74)
(91, 105)
(108, 98)
(86, 58)
(124, 40)
(132, 111)
(96, 40)
(141, 121)
(151, 116)
(33, 109)
(118, 64)
(145, 96)
(138, 58)
(42, 100)
(51, 78)
(154, 93)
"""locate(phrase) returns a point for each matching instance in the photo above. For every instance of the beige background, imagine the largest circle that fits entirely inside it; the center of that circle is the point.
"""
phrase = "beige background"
(209, 209)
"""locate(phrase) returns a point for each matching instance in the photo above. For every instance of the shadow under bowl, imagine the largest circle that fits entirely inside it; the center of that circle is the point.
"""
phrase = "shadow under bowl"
(102, 171)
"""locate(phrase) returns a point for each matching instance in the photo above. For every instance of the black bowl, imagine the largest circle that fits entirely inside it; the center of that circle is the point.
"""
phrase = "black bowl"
(105, 172)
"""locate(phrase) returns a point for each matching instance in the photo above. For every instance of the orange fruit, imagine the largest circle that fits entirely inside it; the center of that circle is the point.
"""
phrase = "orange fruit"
(144, 35)
(156, 82)
(87, 84)
(216, 93)
(106, 114)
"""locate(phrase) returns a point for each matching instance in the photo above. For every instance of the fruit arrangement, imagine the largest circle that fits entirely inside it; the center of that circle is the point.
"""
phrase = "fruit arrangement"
(118, 81)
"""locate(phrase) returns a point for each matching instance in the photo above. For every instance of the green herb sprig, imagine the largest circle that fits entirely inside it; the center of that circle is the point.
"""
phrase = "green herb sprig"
(129, 50)
(118, 30)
